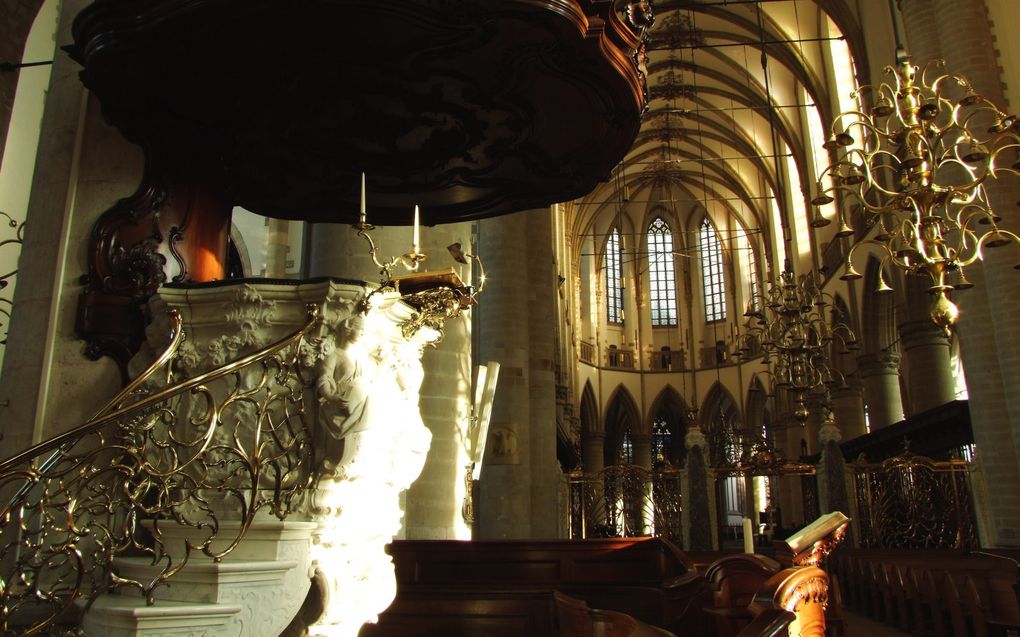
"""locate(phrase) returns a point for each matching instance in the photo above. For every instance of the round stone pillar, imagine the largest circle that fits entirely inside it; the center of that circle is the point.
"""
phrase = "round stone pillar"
(848, 409)
(699, 495)
(434, 503)
(927, 365)
(520, 480)
(592, 451)
(960, 33)
(880, 378)
(642, 446)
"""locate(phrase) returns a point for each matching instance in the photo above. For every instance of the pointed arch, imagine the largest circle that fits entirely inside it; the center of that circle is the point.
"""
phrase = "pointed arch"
(668, 421)
(758, 410)
(720, 419)
(589, 411)
(622, 418)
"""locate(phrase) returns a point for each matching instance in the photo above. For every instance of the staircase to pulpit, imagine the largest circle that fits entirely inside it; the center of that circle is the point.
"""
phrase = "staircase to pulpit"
(252, 468)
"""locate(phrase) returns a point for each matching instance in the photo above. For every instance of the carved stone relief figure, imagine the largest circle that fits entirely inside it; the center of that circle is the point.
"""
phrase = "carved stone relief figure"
(343, 383)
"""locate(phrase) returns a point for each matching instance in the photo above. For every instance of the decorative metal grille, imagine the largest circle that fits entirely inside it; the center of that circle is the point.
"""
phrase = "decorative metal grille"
(626, 501)
(915, 502)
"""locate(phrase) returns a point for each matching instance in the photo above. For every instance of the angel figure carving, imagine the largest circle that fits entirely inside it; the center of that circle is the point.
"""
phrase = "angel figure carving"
(342, 383)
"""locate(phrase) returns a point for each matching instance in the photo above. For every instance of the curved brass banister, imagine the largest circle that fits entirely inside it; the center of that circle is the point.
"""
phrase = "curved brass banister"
(102, 418)
(202, 457)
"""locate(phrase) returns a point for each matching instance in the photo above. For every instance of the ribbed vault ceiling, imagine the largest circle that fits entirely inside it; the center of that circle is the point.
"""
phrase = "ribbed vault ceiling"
(726, 80)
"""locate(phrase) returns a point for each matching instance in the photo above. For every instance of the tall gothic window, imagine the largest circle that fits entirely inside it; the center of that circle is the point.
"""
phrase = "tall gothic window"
(614, 274)
(661, 273)
(712, 278)
(752, 274)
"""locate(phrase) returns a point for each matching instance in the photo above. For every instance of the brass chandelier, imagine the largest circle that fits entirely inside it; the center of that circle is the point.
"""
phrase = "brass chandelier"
(793, 328)
(916, 163)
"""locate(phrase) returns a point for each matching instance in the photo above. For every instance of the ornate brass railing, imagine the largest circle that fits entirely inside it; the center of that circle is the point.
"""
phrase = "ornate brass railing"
(914, 502)
(8, 245)
(166, 452)
(626, 501)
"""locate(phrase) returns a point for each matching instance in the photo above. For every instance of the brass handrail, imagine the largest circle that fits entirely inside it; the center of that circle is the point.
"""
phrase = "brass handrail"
(176, 338)
(203, 456)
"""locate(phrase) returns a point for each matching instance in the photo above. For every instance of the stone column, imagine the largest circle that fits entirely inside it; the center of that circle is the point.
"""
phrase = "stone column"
(436, 499)
(832, 485)
(501, 324)
(593, 451)
(880, 378)
(434, 502)
(848, 409)
(960, 32)
(927, 365)
(642, 445)
(699, 527)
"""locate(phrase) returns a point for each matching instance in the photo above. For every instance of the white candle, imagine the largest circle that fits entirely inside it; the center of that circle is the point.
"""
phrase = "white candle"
(748, 537)
(415, 237)
(363, 208)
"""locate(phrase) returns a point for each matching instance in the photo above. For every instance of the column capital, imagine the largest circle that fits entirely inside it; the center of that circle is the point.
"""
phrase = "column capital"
(695, 438)
(878, 363)
(593, 436)
(852, 389)
(922, 333)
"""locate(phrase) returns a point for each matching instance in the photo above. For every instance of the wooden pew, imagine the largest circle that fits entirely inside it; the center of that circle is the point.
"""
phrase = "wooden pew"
(934, 592)
(734, 580)
(646, 578)
(486, 612)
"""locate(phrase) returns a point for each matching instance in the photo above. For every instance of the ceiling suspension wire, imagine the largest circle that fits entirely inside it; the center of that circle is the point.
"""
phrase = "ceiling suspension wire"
(781, 203)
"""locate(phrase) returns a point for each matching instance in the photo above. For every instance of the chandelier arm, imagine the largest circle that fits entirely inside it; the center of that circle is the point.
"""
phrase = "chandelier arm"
(1012, 169)
(998, 233)
(937, 63)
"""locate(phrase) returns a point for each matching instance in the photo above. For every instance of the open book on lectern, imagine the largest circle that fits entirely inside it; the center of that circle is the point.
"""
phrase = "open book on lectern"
(814, 542)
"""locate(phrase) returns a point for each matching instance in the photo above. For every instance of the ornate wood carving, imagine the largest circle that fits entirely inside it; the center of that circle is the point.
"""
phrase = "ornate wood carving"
(139, 244)
(468, 108)
(802, 590)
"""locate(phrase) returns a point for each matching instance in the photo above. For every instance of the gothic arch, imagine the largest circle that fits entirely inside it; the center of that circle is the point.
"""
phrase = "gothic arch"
(621, 422)
(589, 411)
(669, 408)
(758, 409)
(720, 420)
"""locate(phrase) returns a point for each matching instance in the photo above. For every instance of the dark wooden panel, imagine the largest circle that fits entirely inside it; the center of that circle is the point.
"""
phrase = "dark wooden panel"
(467, 108)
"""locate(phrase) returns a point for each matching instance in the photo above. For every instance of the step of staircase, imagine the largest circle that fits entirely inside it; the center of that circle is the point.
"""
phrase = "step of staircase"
(130, 616)
(263, 582)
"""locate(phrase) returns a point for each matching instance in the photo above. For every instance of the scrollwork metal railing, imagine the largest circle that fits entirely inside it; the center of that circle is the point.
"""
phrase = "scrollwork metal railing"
(10, 254)
(915, 502)
(626, 501)
(201, 455)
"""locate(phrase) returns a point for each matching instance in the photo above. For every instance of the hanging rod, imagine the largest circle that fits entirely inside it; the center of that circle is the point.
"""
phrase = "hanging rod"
(708, 159)
(756, 42)
(688, 111)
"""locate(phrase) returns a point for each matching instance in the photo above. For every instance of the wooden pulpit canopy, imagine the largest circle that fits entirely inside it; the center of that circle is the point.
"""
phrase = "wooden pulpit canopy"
(468, 108)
